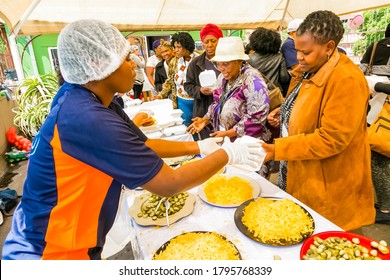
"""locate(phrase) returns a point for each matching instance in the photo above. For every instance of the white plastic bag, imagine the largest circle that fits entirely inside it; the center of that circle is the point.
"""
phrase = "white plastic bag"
(121, 232)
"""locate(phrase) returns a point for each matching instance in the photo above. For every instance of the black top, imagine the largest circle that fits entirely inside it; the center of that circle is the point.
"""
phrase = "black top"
(382, 53)
(160, 75)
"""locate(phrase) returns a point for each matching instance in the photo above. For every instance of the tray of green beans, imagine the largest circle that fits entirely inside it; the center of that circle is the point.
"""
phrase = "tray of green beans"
(340, 245)
(151, 209)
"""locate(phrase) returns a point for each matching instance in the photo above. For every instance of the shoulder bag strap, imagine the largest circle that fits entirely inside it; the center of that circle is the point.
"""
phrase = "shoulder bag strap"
(372, 57)
(268, 80)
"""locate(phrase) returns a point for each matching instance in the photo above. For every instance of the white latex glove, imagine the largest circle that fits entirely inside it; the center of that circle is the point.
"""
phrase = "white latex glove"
(209, 145)
(244, 153)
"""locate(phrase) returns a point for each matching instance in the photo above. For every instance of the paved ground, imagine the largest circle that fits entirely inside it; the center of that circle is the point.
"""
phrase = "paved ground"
(375, 231)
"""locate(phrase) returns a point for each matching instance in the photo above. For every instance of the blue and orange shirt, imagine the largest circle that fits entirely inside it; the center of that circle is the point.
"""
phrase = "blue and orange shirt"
(80, 158)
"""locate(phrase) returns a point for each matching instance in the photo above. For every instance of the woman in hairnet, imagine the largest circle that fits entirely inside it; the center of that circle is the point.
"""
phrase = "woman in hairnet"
(87, 148)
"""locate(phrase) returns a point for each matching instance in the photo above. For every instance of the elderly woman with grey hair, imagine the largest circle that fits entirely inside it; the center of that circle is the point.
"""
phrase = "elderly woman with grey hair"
(241, 101)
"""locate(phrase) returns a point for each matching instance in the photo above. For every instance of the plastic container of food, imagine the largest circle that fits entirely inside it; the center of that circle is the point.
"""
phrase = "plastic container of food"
(207, 78)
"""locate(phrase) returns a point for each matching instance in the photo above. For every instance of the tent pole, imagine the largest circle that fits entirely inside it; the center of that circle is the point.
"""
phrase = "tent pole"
(25, 16)
(16, 57)
(13, 43)
(284, 16)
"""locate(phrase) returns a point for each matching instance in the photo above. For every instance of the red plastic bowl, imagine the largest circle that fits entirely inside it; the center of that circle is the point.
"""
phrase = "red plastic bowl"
(364, 241)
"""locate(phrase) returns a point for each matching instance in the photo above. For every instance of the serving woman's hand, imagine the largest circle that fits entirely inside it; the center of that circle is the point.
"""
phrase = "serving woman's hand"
(270, 151)
(197, 125)
(274, 117)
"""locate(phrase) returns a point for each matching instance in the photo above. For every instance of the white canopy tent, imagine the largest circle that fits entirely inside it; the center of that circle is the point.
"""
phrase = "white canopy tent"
(30, 17)
(33, 17)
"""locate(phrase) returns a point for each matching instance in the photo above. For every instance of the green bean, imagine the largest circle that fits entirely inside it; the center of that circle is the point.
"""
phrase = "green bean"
(148, 208)
(335, 248)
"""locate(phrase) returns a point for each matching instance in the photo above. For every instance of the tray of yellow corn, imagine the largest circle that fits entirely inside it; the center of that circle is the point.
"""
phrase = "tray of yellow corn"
(228, 190)
(198, 245)
(274, 221)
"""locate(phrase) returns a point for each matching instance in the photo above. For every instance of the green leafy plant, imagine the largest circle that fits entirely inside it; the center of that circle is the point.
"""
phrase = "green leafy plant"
(2, 45)
(373, 29)
(34, 97)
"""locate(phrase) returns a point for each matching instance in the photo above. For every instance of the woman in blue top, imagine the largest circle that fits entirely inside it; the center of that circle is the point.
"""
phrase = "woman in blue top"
(88, 148)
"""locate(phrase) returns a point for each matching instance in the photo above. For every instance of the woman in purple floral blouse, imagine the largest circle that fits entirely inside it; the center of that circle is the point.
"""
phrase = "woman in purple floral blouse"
(241, 102)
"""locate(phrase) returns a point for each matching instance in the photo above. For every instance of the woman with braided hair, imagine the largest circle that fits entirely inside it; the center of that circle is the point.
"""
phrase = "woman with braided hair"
(324, 151)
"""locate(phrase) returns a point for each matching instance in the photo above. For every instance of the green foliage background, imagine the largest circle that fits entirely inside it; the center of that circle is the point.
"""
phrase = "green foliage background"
(2, 46)
(373, 28)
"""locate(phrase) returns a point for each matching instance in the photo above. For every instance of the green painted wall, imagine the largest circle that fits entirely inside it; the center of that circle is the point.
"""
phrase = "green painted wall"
(43, 42)
(25, 56)
(40, 46)
(194, 34)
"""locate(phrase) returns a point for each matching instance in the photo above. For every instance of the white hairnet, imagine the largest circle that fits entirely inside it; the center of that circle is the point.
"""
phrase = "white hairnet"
(90, 50)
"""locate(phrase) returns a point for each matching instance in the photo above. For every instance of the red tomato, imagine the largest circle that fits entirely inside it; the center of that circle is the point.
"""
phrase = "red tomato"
(11, 138)
(11, 131)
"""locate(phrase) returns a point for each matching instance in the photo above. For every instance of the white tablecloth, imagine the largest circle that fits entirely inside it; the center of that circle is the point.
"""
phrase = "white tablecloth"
(146, 240)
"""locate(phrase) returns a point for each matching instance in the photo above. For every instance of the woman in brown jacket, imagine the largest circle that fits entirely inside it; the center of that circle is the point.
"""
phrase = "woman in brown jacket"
(324, 145)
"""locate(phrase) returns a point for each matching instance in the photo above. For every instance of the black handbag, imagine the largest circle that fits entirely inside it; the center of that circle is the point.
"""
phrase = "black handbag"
(8, 200)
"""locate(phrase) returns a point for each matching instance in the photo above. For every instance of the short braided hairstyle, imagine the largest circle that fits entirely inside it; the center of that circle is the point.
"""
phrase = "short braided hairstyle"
(185, 40)
(323, 25)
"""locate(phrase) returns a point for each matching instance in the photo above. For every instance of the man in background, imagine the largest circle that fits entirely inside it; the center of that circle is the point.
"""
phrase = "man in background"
(288, 47)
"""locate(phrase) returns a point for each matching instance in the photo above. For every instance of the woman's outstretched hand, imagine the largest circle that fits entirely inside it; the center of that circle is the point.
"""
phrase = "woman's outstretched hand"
(270, 151)
(274, 117)
(197, 125)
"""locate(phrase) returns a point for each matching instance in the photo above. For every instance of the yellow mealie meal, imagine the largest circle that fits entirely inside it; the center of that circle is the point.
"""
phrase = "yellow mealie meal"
(199, 246)
(226, 191)
(340, 248)
(277, 222)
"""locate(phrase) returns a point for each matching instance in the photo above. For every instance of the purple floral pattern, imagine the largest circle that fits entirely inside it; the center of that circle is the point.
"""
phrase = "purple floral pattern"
(246, 106)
